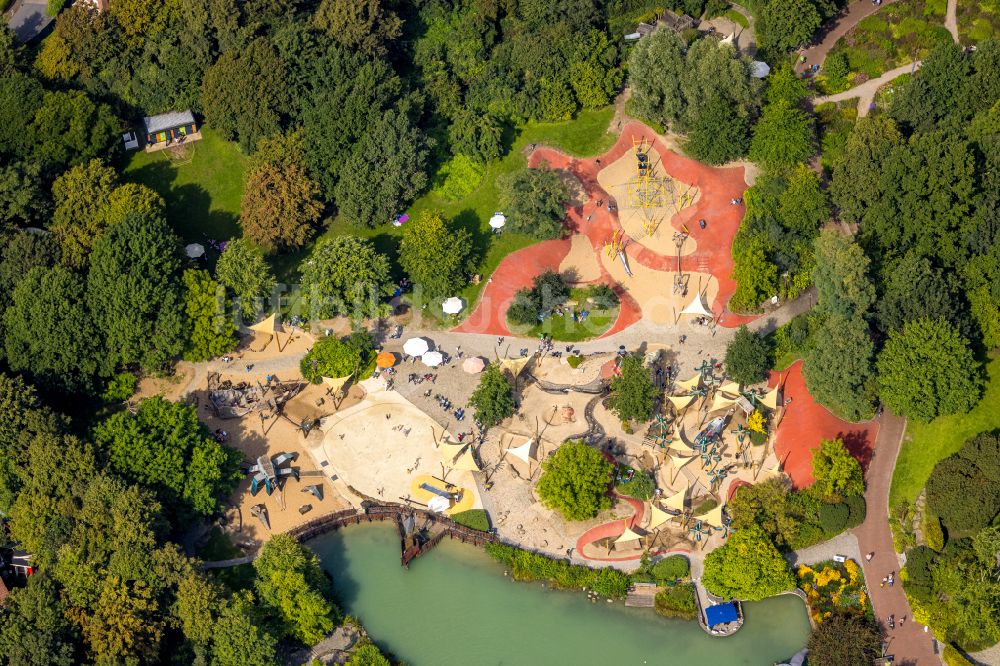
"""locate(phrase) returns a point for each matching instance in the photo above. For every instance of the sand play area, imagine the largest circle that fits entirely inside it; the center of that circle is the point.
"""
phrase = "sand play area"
(581, 264)
(384, 444)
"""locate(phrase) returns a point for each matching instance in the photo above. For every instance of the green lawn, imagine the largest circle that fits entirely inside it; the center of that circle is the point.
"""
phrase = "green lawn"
(202, 190)
(737, 18)
(585, 135)
(895, 35)
(564, 329)
(927, 443)
(977, 21)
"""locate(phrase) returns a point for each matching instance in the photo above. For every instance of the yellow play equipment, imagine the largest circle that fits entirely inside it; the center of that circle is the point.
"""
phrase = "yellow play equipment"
(616, 247)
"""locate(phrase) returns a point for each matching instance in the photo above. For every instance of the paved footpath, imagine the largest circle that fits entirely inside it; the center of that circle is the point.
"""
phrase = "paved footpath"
(866, 91)
(839, 26)
(907, 642)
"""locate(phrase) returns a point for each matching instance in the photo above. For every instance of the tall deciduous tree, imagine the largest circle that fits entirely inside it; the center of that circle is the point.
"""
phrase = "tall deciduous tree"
(23, 200)
(210, 326)
(838, 370)
(243, 270)
(915, 289)
(35, 631)
(49, 334)
(756, 276)
(134, 292)
(384, 172)
(240, 641)
(493, 399)
(280, 206)
(655, 67)
(837, 472)
(19, 253)
(747, 357)
(333, 357)
(343, 272)
(747, 567)
(841, 276)
(70, 128)
(928, 369)
(437, 256)
(575, 481)
(360, 25)
(633, 391)
(534, 201)
(244, 93)
(164, 446)
(844, 639)
(717, 135)
(785, 25)
(783, 137)
(81, 197)
(963, 490)
(290, 581)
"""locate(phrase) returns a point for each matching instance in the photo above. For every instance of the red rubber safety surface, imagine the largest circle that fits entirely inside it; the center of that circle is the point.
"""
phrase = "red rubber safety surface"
(613, 529)
(806, 423)
(713, 254)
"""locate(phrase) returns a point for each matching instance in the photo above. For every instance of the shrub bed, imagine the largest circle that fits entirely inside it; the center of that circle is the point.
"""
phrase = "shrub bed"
(527, 566)
(677, 601)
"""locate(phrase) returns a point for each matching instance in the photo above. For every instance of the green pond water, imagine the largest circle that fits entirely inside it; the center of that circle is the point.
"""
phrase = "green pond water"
(454, 606)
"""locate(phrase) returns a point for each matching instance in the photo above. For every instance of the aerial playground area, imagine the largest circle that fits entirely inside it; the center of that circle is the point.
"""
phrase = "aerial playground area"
(655, 226)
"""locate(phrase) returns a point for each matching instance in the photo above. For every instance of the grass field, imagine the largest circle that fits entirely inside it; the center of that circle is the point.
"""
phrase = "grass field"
(897, 34)
(564, 329)
(583, 136)
(926, 443)
(202, 190)
(737, 18)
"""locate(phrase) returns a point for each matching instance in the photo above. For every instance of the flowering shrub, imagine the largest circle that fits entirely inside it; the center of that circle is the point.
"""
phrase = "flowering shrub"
(833, 586)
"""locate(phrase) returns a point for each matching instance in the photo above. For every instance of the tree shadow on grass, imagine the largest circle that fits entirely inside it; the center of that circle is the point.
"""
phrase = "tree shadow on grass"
(481, 240)
(190, 212)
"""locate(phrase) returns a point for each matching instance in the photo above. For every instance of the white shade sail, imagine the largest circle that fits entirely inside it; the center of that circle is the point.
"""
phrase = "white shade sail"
(731, 388)
(676, 501)
(657, 516)
(268, 326)
(473, 365)
(453, 305)
(628, 535)
(680, 401)
(680, 461)
(523, 452)
(432, 359)
(770, 399)
(498, 220)
(416, 347)
(721, 402)
(697, 308)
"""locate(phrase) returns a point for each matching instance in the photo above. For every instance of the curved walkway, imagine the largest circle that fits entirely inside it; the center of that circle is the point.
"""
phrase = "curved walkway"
(839, 26)
(951, 20)
(613, 529)
(908, 643)
(867, 90)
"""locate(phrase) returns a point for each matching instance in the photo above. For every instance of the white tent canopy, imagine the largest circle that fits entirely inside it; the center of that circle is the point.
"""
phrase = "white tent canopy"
(432, 359)
(416, 347)
(194, 250)
(453, 305)
(523, 452)
(438, 504)
(628, 535)
(697, 308)
(498, 220)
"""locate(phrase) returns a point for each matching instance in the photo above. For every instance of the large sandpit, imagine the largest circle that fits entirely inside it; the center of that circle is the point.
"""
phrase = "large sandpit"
(380, 445)
(580, 265)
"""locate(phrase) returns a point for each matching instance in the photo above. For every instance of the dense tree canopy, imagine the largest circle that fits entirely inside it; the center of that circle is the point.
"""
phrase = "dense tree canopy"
(134, 292)
(211, 331)
(242, 269)
(344, 275)
(838, 370)
(436, 255)
(575, 481)
(844, 639)
(280, 206)
(49, 334)
(333, 357)
(633, 391)
(837, 472)
(747, 567)
(964, 488)
(493, 399)
(747, 357)
(928, 369)
(164, 447)
(534, 201)
(81, 196)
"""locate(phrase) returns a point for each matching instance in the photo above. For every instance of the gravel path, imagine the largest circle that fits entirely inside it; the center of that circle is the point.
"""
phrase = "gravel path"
(834, 30)
(951, 19)
(845, 544)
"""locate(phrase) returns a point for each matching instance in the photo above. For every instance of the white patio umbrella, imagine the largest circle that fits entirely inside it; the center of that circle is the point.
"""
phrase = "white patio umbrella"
(453, 305)
(498, 221)
(473, 365)
(416, 347)
(432, 358)
(194, 250)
